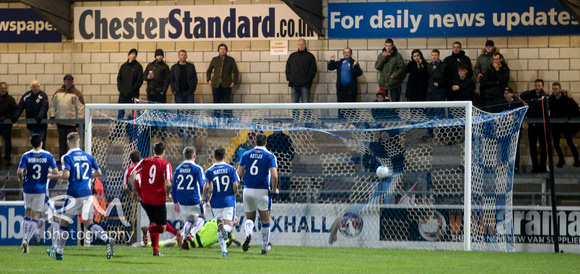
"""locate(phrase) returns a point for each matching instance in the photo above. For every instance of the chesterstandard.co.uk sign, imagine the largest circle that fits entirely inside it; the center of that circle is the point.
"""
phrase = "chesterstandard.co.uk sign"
(449, 19)
(183, 23)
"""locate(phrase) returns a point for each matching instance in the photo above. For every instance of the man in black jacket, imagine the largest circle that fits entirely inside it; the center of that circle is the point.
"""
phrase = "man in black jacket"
(35, 102)
(183, 79)
(7, 107)
(536, 130)
(300, 72)
(456, 57)
(347, 71)
(157, 76)
(494, 81)
(129, 80)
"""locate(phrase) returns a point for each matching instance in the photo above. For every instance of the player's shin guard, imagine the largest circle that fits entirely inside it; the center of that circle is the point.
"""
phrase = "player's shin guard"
(32, 225)
(198, 225)
(99, 232)
(249, 227)
(55, 228)
(62, 236)
(25, 228)
(265, 236)
(222, 241)
(154, 241)
(186, 228)
(170, 228)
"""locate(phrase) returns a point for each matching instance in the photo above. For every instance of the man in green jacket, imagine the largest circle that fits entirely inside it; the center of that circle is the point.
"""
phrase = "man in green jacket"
(222, 75)
(392, 70)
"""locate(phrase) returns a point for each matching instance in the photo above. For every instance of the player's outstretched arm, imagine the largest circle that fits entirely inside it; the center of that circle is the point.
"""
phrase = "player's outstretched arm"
(274, 179)
(206, 188)
(54, 174)
(65, 174)
(97, 173)
(132, 182)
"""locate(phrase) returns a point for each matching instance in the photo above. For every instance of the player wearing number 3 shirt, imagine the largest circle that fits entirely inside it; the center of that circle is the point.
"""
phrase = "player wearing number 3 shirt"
(155, 187)
(260, 172)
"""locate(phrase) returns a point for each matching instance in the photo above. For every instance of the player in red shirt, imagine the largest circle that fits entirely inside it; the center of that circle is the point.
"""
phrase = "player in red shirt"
(135, 157)
(156, 176)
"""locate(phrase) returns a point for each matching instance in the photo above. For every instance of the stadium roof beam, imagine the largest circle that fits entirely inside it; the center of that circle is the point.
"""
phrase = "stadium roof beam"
(56, 12)
(573, 7)
(310, 11)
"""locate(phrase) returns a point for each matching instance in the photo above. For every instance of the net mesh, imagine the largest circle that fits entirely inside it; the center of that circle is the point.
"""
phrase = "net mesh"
(327, 159)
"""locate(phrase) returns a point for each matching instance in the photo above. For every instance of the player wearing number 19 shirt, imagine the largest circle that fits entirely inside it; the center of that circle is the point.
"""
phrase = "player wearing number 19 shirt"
(155, 187)
(223, 180)
(259, 169)
(186, 189)
(78, 169)
(37, 163)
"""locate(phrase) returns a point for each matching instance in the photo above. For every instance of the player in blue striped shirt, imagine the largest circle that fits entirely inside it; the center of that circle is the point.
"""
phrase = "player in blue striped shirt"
(37, 163)
(222, 180)
(259, 169)
(186, 190)
(77, 168)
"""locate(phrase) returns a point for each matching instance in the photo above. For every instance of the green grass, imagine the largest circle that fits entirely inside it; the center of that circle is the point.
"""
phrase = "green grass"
(286, 259)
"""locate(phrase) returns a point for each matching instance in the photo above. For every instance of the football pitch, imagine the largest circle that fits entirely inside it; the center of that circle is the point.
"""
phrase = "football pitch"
(285, 259)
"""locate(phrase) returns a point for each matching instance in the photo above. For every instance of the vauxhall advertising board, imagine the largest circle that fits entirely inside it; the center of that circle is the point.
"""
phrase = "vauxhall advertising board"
(184, 23)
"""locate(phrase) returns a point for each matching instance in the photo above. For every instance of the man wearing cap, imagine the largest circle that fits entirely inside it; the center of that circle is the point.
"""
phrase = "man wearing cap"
(484, 61)
(183, 79)
(129, 80)
(35, 102)
(225, 76)
(67, 103)
(157, 76)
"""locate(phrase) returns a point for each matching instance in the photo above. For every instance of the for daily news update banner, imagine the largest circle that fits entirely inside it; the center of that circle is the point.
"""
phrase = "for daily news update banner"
(474, 18)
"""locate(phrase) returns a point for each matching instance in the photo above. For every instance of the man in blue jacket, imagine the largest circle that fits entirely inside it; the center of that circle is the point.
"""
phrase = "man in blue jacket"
(347, 70)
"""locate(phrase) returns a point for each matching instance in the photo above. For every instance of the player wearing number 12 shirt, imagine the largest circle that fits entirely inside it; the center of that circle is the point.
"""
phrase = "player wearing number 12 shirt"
(78, 167)
(223, 180)
(186, 189)
(155, 187)
(259, 169)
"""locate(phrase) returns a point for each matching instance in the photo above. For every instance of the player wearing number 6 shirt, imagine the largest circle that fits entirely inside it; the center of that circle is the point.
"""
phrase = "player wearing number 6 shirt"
(186, 189)
(260, 172)
(37, 163)
(223, 180)
(155, 187)
(77, 168)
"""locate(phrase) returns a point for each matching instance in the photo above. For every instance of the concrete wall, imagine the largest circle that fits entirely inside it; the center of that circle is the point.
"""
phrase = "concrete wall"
(95, 65)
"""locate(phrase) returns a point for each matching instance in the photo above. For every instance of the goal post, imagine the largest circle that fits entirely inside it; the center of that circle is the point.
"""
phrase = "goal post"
(452, 167)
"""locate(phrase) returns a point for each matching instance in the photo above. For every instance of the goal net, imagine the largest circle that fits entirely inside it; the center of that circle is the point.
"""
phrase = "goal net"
(450, 168)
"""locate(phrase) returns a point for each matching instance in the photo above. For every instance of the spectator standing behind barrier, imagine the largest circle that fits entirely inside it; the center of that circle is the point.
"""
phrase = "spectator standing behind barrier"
(418, 77)
(157, 76)
(35, 102)
(511, 101)
(280, 144)
(563, 106)
(7, 108)
(67, 103)
(183, 79)
(484, 61)
(494, 81)
(381, 113)
(462, 87)
(347, 70)
(458, 56)
(536, 130)
(300, 72)
(129, 80)
(222, 74)
(391, 70)
(439, 78)
(243, 148)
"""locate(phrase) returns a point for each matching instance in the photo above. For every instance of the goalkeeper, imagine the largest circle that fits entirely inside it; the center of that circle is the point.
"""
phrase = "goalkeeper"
(205, 237)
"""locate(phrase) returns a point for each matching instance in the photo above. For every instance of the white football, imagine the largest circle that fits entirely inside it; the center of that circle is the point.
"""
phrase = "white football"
(383, 172)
